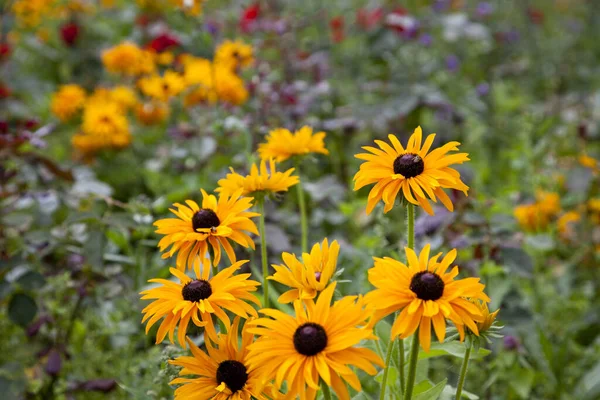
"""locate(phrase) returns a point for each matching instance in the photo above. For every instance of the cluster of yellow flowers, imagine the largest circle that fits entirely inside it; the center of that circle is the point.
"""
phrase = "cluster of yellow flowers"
(315, 347)
(189, 7)
(538, 215)
(30, 13)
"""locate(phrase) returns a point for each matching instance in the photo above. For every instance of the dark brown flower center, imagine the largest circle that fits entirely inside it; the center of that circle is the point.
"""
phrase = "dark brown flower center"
(409, 165)
(310, 339)
(233, 373)
(427, 285)
(205, 218)
(196, 290)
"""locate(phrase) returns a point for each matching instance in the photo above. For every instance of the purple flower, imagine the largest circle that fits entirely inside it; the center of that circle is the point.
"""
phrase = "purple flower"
(483, 89)
(511, 342)
(452, 63)
(441, 5)
(426, 39)
(484, 9)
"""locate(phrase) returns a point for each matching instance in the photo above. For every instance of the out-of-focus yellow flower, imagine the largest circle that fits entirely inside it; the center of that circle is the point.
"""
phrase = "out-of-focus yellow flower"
(566, 221)
(212, 83)
(107, 3)
(104, 127)
(234, 54)
(67, 101)
(29, 13)
(530, 217)
(128, 59)
(594, 205)
(548, 202)
(589, 162)
(282, 144)
(151, 113)
(124, 96)
(163, 87)
(190, 7)
(164, 58)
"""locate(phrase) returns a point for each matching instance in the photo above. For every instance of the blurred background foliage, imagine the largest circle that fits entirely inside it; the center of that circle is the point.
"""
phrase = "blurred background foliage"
(516, 82)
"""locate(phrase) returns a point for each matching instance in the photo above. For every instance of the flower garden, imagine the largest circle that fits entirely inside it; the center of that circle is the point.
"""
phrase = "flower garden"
(286, 200)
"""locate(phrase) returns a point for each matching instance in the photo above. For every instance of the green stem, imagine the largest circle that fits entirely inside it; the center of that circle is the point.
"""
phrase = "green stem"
(463, 371)
(388, 358)
(302, 205)
(410, 225)
(412, 366)
(401, 362)
(325, 390)
(263, 251)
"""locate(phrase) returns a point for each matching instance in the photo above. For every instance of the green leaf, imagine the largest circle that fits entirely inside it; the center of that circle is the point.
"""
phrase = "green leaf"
(31, 280)
(521, 381)
(22, 309)
(433, 393)
(517, 260)
(589, 385)
(454, 348)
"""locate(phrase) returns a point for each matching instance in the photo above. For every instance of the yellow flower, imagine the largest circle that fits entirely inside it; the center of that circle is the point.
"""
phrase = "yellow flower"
(212, 83)
(164, 58)
(310, 276)
(151, 113)
(162, 88)
(230, 88)
(282, 144)
(234, 54)
(67, 101)
(488, 318)
(426, 293)
(223, 368)
(566, 221)
(266, 180)
(29, 13)
(124, 97)
(197, 300)
(216, 223)
(589, 162)
(530, 217)
(104, 119)
(317, 343)
(190, 7)
(128, 59)
(414, 171)
(548, 202)
(594, 205)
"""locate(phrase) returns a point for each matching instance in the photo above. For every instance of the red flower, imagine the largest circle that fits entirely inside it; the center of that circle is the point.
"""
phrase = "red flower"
(69, 33)
(367, 19)
(337, 29)
(248, 18)
(4, 91)
(5, 51)
(536, 16)
(163, 42)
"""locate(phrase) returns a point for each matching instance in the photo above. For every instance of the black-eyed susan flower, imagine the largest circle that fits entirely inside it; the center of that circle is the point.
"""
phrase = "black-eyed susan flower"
(222, 371)
(67, 101)
(427, 295)
(264, 179)
(162, 88)
(537, 215)
(234, 54)
(215, 223)
(197, 300)
(488, 317)
(318, 343)
(418, 174)
(566, 221)
(282, 144)
(310, 275)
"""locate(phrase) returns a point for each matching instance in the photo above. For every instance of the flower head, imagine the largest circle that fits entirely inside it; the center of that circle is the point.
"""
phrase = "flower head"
(162, 88)
(426, 293)
(197, 300)
(151, 113)
(566, 221)
(317, 343)
(215, 223)
(282, 144)
(414, 171)
(234, 54)
(67, 101)
(488, 317)
(128, 59)
(311, 275)
(264, 179)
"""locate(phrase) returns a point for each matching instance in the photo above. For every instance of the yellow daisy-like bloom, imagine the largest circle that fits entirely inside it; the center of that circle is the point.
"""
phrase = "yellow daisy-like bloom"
(124, 96)
(151, 113)
(414, 171)
(104, 119)
(128, 59)
(212, 82)
(266, 180)
(234, 54)
(230, 88)
(530, 217)
(588, 162)
(548, 202)
(29, 13)
(488, 317)
(566, 221)
(197, 300)
(223, 371)
(310, 276)
(215, 223)
(318, 343)
(164, 87)
(190, 7)
(282, 144)
(426, 294)
(67, 101)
